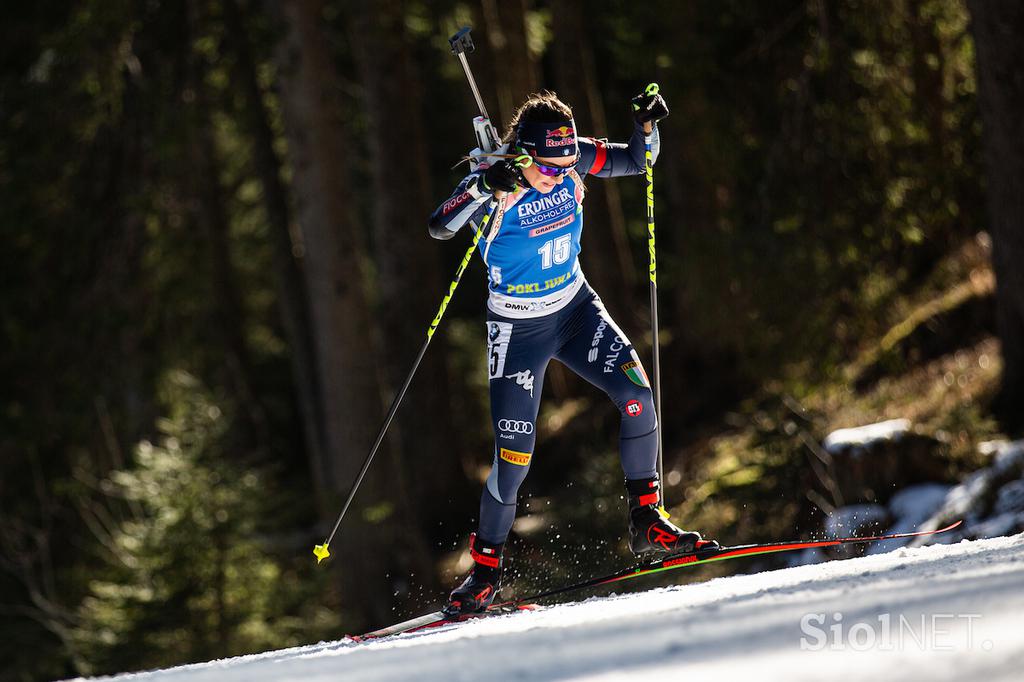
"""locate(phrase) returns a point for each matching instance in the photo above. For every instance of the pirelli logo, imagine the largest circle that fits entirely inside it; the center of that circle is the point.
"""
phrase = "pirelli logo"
(512, 457)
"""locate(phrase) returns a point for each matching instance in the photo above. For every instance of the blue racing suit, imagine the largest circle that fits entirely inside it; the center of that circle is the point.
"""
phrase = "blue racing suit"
(541, 307)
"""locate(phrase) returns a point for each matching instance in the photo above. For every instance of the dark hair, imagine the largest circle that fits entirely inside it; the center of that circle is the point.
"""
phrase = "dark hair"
(540, 107)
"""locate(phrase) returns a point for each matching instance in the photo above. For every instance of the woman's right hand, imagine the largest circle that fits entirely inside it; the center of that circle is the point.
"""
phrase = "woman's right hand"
(501, 177)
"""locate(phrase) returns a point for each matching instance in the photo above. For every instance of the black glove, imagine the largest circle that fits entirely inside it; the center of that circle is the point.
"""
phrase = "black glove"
(649, 107)
(501, 176)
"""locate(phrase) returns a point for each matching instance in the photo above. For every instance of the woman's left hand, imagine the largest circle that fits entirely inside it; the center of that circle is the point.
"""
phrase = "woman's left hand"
(649, 107)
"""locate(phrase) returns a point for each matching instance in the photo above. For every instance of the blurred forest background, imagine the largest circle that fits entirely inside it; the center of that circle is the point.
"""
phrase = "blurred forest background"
(215, 272)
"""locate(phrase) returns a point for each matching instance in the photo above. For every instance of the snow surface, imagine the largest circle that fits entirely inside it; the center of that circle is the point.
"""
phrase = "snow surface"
(861, 437)
(954, 612)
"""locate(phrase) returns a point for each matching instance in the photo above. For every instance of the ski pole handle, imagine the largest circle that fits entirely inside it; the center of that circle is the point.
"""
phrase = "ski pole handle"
(651, 89)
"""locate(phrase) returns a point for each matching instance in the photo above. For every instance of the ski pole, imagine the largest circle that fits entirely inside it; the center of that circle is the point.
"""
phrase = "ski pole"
(321, 552)
(652, 89)
(487, 139)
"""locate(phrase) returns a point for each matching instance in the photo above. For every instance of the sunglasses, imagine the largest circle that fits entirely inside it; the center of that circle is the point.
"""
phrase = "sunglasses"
(552, 171)
(525, 160)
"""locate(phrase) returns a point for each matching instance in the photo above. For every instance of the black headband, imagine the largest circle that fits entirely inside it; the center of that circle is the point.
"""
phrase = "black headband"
(548, 139)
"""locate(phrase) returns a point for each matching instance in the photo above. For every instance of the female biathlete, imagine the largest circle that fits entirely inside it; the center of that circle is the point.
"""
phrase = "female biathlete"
(541, 307)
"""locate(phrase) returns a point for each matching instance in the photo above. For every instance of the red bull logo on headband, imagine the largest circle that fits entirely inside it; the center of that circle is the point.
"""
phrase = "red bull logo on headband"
(558, 137)
(563, 136)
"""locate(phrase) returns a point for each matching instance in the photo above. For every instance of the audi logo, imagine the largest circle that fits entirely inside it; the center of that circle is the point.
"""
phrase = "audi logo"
(511, 426)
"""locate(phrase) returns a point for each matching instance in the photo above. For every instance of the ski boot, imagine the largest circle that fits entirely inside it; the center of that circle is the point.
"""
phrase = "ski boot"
(649, 527)
(477, 591)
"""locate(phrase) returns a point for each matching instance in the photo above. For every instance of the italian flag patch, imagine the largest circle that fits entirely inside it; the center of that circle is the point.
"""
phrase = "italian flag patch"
(635, 371)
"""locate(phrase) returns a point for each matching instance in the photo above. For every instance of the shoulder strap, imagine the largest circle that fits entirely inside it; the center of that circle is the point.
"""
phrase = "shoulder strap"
(581, 187)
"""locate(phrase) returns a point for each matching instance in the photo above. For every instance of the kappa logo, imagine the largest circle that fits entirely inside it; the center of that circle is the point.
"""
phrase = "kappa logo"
(513, 457)
(514, 426)
(634, 408)
(524, 379)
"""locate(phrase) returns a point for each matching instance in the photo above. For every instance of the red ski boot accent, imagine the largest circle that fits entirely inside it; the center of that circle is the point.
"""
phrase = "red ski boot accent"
(478, 590)
(649, 527)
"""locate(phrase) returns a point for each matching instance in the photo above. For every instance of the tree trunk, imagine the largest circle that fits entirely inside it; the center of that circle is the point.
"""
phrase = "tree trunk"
(332, 253)
(998, 26)
(212, 215)
(410, 285)
(930, 109)
(333, 260)
(292, 299)
(929, 102)
(608, 260)
(515, 67)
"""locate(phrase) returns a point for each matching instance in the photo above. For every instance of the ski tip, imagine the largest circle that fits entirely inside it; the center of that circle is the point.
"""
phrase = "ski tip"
(321, 552)
(920, 533)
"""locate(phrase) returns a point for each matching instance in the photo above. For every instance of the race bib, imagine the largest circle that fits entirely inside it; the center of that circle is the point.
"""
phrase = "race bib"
(498, 335)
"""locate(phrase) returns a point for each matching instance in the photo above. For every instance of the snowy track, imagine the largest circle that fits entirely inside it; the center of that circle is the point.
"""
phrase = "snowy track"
(944, 612)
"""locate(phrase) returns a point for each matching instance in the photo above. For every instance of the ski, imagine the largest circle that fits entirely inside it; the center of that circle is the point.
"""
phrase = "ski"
(439, 619)
(704, 556)
(668, 563)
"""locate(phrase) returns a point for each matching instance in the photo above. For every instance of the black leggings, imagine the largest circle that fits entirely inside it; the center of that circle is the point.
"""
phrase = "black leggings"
(586, 340)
